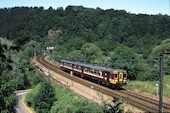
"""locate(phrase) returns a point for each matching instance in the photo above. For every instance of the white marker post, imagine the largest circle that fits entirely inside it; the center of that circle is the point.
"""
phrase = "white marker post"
(71, 73)
(157, 89)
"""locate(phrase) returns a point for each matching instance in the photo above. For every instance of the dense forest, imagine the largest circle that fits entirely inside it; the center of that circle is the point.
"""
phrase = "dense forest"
(109, 37)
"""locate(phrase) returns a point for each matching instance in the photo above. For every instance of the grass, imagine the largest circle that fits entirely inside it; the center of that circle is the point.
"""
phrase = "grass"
(69, 102)
(150, 86)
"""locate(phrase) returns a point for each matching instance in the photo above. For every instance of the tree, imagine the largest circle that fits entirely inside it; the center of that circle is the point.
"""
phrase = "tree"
(46, 96)
(8, 83)
(163, 47)
(74, 43)
(75, 55)
(59, 53)
(90, 52)
(8, 80)
(125, 58)
(43, 99)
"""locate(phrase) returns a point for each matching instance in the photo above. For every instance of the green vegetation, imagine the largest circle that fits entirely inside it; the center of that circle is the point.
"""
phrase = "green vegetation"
(16, 73)
(150, 86)
(92, 36)
(101, 37)
(68, 102)
(43, 98)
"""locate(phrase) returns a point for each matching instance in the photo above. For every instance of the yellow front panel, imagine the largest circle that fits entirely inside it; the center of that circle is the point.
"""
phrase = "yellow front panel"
(112, 81)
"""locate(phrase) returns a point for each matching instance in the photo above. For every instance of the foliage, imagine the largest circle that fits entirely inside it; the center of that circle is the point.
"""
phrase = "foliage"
(15, 73)
(8, 98)
(123, 57)
(115, 107)
(82, 34)
(14, 19)
(63, 102)
(58, 54)
(41, 98)
(8, 80)
(74, 43)
(31, 96)
(163, 47)
(90, 52)
(103, 27)
(68, 102)
(75, 55)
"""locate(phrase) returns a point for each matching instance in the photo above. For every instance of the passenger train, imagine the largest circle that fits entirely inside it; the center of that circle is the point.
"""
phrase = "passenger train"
(114, 78)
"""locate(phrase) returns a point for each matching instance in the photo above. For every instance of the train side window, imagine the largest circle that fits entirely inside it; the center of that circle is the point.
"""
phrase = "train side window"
(92, 71)
(87, 70)
(100, 73)
(95, 72)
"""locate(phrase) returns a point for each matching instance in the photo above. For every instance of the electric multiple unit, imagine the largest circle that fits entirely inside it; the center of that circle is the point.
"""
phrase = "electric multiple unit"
(115, 78)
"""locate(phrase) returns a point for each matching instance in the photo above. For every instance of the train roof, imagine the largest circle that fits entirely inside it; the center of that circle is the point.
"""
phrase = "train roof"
(108, 69)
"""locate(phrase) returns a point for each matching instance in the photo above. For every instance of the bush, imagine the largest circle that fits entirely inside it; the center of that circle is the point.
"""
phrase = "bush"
(41, 98)
(68, 102)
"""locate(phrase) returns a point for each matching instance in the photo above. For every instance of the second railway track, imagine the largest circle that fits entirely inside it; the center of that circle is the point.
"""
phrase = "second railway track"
(145, 103)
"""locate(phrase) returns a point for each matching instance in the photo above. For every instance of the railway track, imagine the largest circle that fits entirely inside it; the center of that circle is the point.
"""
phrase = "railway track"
(143, 102)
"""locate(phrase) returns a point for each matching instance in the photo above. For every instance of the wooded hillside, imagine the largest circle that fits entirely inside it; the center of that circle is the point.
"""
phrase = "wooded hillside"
(95, 36)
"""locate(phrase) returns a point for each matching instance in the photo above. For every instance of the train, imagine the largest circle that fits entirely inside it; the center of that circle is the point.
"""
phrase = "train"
(112, 77)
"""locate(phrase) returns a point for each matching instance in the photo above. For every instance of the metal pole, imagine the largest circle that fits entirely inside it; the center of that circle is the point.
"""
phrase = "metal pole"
(161, 83)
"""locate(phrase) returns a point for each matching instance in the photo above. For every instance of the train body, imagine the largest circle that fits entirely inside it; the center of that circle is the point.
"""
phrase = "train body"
(115, 78)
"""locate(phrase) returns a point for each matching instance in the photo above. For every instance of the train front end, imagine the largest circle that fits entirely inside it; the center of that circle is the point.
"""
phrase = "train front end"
(118, 78)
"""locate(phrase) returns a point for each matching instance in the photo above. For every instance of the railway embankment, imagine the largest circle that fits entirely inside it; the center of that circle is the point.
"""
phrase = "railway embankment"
(95, 92)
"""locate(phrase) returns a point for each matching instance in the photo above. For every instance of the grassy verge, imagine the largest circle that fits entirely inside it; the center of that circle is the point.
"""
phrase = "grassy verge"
(31, 110)
(65, 101)
(150, 86)
(69, 102)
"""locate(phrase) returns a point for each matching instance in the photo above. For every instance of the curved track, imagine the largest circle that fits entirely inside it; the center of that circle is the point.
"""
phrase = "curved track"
(143, 102)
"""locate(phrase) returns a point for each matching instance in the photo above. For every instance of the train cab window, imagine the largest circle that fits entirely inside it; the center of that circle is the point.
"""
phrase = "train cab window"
(116, 76)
